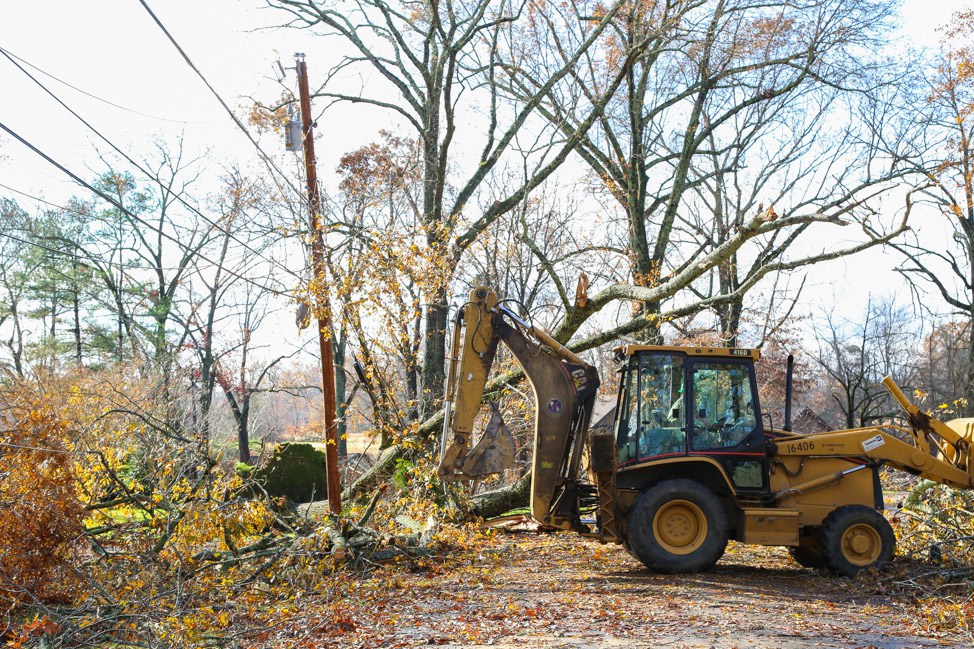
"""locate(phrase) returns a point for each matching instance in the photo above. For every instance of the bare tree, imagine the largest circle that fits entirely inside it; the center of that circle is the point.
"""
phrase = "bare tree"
(528, 255)
(789, 159)
(439, 60)
(224, 306)
(857, 354)
(945, 264)
(714, 142)
(943, 365)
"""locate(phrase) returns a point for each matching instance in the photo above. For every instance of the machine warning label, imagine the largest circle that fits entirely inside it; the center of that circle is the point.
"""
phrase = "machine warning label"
(872, 442)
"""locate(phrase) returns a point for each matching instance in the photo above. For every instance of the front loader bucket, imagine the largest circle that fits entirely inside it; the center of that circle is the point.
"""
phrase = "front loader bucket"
(953, 441)
(963, 427)
(495, 450)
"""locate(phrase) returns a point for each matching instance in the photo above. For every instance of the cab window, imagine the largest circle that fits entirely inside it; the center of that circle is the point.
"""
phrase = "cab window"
(651, 418)
(723, 406)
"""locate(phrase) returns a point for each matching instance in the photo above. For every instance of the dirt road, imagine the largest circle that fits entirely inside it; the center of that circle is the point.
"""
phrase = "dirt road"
(556, 590)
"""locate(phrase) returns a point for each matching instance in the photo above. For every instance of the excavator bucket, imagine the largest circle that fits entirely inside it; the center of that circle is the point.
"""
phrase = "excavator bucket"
(495, 450)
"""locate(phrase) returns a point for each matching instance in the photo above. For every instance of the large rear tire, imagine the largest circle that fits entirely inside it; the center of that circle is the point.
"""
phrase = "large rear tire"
(678, 526)
(856, 538)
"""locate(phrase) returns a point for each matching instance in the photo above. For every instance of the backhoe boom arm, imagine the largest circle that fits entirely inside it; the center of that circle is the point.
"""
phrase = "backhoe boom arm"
(564, 389)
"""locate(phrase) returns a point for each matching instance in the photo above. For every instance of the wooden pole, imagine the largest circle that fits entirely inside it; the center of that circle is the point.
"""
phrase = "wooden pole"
(320, 292)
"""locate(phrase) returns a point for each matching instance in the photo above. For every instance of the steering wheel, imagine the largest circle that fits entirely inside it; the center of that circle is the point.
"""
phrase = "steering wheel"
(717, 425)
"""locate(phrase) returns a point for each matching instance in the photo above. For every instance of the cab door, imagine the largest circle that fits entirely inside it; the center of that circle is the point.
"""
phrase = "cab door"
(650, 420)
(723, 420)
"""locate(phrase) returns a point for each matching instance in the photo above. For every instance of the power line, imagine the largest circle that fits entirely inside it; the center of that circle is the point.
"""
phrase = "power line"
(69, 255)
(130, 214)
(39, 246)
(38, 199)
(127, 265)
(148, 174)
(264, 157)
(9, 54)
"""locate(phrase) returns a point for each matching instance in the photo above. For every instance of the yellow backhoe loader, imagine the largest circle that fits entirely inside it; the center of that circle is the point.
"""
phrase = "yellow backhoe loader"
(690, 462)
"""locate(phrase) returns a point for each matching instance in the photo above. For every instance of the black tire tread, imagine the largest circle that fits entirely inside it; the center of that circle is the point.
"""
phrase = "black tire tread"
(653, 556)
(835, 525)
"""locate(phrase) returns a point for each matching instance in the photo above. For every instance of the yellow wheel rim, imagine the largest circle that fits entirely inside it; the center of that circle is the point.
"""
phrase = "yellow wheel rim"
(680, 527)
(861, 545)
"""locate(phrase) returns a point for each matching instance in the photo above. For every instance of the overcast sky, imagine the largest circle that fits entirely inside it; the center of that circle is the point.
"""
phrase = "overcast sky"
(113, 50)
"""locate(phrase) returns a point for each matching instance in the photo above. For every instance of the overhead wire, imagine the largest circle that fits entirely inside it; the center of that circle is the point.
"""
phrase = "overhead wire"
(131, 214)
(264, 157)
(36, 198)
(141, 169)
(93, 96)
(34, 244)
(64, 253)
(65, 209)
(72, 256)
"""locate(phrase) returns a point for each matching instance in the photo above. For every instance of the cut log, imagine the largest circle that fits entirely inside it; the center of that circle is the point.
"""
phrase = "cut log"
(339, 544)
(497, 502)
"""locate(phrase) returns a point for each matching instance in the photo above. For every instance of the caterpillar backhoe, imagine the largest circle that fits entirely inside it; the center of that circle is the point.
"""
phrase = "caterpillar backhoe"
(690, 462)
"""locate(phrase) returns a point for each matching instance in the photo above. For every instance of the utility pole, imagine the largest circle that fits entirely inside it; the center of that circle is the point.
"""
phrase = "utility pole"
(319, 283)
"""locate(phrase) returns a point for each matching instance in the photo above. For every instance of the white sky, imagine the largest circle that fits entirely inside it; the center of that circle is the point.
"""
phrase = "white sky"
(112, 49)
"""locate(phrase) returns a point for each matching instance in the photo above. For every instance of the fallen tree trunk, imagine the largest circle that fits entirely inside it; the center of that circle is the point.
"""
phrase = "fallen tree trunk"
(428, 430)
(383, 467)
(497, 502)
(386, 464)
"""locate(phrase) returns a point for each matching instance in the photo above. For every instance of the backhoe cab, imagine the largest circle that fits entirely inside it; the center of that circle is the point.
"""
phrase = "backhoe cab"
(690, 462)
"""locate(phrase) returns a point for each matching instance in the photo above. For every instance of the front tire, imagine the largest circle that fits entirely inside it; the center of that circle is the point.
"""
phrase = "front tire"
(678, 526)
(856, 538)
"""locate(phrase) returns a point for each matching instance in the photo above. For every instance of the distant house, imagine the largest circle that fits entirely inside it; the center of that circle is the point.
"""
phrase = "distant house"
(807, 423)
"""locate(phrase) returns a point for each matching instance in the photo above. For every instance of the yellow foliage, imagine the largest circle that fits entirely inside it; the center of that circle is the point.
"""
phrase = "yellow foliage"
(40, 515)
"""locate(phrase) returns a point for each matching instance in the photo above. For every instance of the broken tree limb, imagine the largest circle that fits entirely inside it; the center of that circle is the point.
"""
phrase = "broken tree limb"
(383, 467)
(369, 510)
(494, 503)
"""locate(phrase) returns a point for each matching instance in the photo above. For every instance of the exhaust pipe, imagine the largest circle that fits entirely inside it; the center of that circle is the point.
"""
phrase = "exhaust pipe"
(789, 377)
